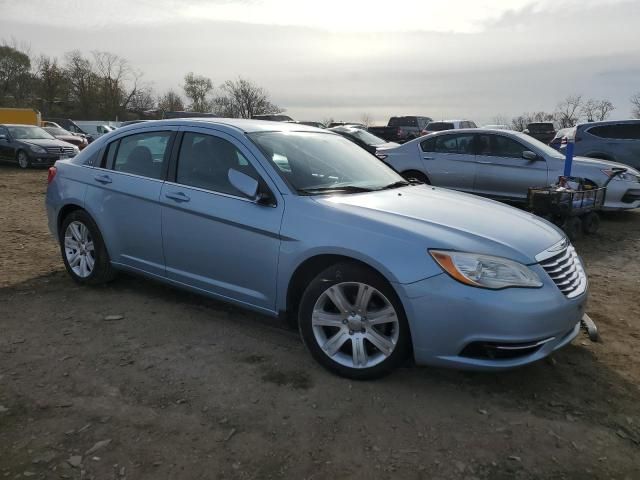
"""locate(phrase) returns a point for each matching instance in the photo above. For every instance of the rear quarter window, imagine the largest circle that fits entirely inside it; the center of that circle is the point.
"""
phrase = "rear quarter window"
(620, 131)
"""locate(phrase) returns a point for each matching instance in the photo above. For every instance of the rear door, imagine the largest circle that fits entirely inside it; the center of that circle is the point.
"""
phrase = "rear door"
(449, 160)
(124, 194)
(215, 238)
(502, 172)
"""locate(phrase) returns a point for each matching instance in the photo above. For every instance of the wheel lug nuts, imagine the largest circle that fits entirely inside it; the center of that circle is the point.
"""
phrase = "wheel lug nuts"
(363, 330)
(344, 322)
(350, 332)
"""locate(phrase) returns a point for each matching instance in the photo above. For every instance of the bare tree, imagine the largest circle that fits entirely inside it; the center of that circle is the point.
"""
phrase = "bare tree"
(52, 84)
(366, 119)
(171, 102)
(15, 77)
(143, 100)
(597, 110)
(520, 123)
(83, 83)
(197, 88)
(243, 99)
(635, 103)
(500, 120)
(568, 111)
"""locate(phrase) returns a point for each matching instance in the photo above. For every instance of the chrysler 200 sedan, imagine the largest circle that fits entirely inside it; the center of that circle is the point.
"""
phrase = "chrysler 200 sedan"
(295, 221)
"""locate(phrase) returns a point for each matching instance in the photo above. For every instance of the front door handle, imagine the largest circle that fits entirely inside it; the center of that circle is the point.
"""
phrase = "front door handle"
(484, 162)
(178, 196)
(104, 179)
(428, 158)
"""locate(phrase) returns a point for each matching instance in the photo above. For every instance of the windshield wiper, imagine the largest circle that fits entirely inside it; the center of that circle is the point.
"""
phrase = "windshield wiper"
(340, 188)
(398, 184)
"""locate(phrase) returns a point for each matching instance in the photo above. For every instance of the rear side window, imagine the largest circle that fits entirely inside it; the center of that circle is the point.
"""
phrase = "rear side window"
(204, 162)
(462, 144)
(440, 126)
(403, 122)
(428, 145)
(143, 154)
(620, 131)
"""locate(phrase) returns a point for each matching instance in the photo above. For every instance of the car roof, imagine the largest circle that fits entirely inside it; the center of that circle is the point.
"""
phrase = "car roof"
(240, 124)
(18, 125)
(607, 122)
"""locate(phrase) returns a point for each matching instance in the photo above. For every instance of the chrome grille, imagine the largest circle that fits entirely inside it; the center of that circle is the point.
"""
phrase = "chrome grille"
(565, 269)
(68, 151)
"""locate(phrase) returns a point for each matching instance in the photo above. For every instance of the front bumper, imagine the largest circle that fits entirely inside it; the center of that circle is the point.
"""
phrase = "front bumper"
(43, 160)
(454, 325)
(622, 196)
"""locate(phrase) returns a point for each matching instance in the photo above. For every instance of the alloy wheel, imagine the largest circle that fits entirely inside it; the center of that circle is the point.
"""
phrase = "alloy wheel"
(79, 249)
(23, 160)
(355, 325)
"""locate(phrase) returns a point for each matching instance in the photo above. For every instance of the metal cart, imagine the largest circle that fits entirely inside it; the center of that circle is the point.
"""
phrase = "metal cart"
(572, 204)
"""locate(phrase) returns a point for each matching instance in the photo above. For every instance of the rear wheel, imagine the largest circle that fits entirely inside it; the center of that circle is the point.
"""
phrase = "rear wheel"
(23, 159)
(352, 322)
(83, 251)
(415, 175)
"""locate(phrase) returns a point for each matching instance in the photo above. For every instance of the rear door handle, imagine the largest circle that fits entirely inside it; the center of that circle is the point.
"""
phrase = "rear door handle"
(484, 162)
(428, 158)
(104, 179)
(178, 196)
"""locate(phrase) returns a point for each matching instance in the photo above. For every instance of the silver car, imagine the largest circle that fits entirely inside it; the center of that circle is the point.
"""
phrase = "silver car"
(502, 164)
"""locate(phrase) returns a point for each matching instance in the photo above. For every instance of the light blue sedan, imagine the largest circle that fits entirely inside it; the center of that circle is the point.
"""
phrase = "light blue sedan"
(295, 221)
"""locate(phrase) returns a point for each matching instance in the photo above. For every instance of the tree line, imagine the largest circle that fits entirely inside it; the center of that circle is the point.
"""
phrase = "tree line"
(569, 112)
(105, 86)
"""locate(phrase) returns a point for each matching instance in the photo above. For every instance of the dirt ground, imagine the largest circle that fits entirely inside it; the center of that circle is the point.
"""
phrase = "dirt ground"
(180, 387)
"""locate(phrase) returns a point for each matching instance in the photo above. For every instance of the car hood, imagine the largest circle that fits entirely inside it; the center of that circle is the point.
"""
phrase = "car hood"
(444, 219)
(44, 142)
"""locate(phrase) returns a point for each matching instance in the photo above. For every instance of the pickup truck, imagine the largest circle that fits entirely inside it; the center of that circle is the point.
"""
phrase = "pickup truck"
(401, 129)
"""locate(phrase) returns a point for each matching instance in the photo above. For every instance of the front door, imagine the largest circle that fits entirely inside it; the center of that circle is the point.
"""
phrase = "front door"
(215, 238)
(502, 172)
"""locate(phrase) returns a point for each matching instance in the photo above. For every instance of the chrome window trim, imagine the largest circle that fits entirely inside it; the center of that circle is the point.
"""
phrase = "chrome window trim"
(204, 190)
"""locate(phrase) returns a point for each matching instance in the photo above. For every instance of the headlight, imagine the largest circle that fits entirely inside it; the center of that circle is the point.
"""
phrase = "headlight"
(37, 149)
(485, 271)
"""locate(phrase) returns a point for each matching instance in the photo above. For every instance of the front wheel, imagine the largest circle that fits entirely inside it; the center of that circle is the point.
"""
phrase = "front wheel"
(83, 251)
(352, 322)
(23, 159)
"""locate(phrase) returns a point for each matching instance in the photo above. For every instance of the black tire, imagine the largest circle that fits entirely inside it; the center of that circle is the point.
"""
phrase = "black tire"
(344, 273)
(21, 163)
(572, 226)
(415, 175)
(590, 223)
(103, 271)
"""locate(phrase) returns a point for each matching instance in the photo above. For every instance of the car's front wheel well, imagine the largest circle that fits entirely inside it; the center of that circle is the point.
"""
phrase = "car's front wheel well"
(306, 272)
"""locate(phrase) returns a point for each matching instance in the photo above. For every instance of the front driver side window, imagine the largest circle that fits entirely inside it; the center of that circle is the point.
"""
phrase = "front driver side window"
(506, 147)
(204, 162)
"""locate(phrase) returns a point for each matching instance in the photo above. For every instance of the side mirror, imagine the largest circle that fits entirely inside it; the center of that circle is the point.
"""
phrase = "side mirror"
(3, 137)
(242, 182)
(529, 155)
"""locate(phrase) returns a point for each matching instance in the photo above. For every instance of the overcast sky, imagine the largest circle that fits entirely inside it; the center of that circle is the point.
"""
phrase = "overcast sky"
(341, 58)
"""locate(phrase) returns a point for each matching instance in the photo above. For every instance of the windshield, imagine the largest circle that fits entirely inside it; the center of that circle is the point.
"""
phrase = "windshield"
(57, 131)
(26, 132)
(439, 126)
(315, 161)
(363, 135)
(546, 149)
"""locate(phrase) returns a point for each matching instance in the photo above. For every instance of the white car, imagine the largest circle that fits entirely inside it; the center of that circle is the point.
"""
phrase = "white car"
(442, 125)
(503, 164)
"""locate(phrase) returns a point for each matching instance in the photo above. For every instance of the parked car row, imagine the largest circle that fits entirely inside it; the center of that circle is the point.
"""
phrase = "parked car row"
(28, 145)
(300, 222)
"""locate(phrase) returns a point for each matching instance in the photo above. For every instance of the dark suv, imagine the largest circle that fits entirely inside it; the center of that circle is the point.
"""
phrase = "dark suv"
(617, 140)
